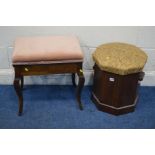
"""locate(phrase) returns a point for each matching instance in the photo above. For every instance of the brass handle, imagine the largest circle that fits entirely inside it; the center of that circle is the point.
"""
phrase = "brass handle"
(81, 70)
(141, 76)
(26, 69)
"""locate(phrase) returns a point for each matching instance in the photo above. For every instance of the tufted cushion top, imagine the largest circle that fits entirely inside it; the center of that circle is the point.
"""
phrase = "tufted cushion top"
(48, 48)
(120, 58)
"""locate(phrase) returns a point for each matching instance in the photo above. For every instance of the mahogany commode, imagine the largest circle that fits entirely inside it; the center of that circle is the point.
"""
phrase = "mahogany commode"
(47, 55)
(117, 74)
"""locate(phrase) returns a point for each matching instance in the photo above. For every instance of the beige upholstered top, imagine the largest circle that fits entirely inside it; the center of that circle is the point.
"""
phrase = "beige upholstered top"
(49, 48)
(120, 58)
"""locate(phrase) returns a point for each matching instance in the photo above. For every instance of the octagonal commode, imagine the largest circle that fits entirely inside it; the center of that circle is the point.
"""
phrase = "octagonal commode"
(117, 72)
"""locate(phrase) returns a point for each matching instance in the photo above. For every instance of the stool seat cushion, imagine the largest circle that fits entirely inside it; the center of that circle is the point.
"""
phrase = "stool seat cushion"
(120, 58)
(48, 48)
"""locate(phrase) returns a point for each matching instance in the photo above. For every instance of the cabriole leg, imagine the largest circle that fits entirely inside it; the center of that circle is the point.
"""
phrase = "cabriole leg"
(73, 79)
(22, 82)
(79, 87)
(18, 89)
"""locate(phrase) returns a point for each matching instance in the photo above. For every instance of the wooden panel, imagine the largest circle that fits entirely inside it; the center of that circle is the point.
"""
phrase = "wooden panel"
(115, 91)
(47, 69)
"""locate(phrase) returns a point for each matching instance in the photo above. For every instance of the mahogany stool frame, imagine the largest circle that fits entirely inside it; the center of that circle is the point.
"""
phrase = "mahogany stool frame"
(47, 67)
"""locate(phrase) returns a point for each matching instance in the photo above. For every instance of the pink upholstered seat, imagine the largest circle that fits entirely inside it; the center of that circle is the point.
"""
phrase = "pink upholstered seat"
(51, 48)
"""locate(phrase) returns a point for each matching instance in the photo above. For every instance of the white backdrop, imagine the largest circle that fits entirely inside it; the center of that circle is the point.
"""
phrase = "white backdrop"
(90, 37)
